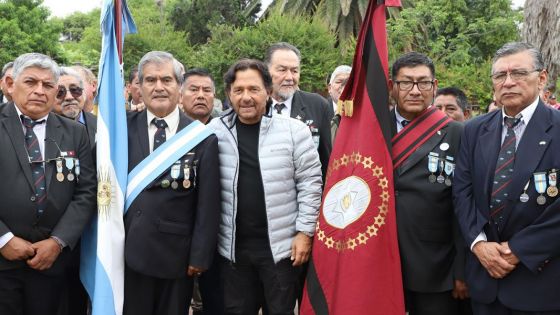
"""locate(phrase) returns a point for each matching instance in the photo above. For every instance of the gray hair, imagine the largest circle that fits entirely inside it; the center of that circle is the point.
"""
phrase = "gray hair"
(513, 48)
(35, 60)
(6, 67)
(73, 73)
(340, 70)
(86, 73)
(280, 46)
(160, 57)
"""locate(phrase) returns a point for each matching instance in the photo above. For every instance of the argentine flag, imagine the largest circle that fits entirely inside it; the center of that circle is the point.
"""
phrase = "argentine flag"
(102, 260)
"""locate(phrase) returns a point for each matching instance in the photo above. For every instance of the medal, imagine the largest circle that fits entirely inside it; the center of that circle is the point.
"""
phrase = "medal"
(165, 183)
(440, 179)
(540, 186)
(59, 174)
(194, 171)
(524, 197)
(175, 171)
(432, 166)
(552, 190)
(70, 166)
(77, 170)
(448, 169)
(186, 175)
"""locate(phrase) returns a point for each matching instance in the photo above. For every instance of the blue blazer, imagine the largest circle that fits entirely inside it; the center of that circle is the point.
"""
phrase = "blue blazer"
(532, 230)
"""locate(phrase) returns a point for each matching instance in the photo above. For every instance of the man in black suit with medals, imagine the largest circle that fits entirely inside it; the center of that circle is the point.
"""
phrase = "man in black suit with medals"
(425, 143)
(47, 189)
(284, 64)
(171, 227)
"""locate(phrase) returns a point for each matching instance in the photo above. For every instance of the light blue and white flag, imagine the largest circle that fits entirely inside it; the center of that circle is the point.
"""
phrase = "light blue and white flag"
(102, 260)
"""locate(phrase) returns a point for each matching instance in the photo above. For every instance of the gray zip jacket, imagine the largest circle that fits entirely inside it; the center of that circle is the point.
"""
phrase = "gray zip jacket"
(291, 175)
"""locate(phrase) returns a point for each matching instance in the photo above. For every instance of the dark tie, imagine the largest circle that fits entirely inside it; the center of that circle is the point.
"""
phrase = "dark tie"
(159, 136)
(37, 165)
(404, 123)
(504, 171)
(279, 107)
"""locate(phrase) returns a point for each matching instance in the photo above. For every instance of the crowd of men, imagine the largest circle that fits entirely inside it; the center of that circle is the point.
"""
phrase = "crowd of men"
(230, 224)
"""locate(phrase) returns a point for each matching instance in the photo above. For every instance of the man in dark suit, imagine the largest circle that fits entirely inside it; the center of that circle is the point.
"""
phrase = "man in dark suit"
(47, 189)
(506, 192)
(283, 61)
(171, 227)
(425, 143)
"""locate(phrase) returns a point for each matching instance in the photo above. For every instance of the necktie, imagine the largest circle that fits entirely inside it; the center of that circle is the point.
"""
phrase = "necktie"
(36, 161)
(279, 107)
(404, 123)
(159, 136)
(503, 172)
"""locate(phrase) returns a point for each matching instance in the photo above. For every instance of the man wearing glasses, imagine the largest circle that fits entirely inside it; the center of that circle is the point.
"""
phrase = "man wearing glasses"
(506, 192)
(47, 190)
(425, 143)
(73, 99)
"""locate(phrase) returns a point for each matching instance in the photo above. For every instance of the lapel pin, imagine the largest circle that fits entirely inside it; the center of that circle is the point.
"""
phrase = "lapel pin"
(542, 143)
(444, 146)
(439, 132)
(298, 117)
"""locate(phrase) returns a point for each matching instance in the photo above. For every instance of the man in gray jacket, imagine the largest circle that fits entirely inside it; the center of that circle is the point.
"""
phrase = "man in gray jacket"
(271, 193)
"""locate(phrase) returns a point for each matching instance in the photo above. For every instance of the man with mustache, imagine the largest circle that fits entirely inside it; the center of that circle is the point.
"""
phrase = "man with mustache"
(172, 224)
(198, 93)
(425, 143)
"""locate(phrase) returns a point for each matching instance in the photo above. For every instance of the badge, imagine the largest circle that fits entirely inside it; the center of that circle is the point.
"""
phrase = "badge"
(432, 166)
(175, 171)
(524, 196)
(444, 146)
(440, 179)
(165, 183)
(77, 170)
(552, 190)
(70, 166)
(540, 186)
(59, 174)
(448, 169)
(195, 173)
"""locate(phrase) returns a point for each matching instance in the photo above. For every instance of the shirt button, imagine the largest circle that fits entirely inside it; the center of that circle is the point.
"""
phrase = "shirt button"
(138, 213)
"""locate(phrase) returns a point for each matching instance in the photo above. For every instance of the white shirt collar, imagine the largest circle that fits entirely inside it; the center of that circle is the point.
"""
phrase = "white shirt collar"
(525, 114)
(172, 119)
(20, 113)
(287, 103)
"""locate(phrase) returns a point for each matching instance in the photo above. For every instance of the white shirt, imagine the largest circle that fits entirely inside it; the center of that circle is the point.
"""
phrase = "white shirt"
(519, 129)
(400, 119)
(40, 131)
(335, 107)
(286, 110)
(172, 121)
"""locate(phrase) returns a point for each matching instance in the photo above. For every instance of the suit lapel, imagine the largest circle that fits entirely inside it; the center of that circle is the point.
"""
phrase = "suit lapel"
(12, 124)
(488, 147)
(298, 107)
(183, 121)
(142, 127)
(54, 134)
(422, 151)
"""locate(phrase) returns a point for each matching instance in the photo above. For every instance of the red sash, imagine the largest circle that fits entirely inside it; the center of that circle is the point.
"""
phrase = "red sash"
(416, 133)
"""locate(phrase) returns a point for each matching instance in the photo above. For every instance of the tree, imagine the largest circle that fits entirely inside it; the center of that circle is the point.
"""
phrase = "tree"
(75, 24)
(542, 30)
(202, 14)
(25, 27)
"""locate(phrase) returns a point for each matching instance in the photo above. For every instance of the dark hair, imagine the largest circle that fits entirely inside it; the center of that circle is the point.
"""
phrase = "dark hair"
(280, 46)
(132, 74)
(410, 60)
(246, 64)
(199, 72)
(459, 96)
(6, 67)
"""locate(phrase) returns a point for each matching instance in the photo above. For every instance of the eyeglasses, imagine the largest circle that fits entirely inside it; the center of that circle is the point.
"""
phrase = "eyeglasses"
(409, 85)
(60, 156)
(515, 75)
(75, 91)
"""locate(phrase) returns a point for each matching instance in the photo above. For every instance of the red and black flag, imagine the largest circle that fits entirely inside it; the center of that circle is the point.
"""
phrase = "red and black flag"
(355, 264)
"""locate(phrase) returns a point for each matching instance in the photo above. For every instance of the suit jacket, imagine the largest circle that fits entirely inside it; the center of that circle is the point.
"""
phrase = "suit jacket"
(429, 240)
(532, 230)
(91, 127)
(313, 110)
(169, 229)
(70, 204)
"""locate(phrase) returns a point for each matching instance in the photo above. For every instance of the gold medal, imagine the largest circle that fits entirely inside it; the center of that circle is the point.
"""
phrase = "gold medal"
(552, 191)
(186, 183)
(59, 177)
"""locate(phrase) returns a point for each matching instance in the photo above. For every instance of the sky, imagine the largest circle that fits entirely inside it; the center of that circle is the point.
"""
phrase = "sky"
(62, 8)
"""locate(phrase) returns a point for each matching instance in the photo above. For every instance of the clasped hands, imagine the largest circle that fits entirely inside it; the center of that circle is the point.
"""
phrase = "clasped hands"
(496, 258)
(39, 256)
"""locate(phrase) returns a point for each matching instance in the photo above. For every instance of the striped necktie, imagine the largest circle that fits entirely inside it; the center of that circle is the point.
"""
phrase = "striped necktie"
(37, 163)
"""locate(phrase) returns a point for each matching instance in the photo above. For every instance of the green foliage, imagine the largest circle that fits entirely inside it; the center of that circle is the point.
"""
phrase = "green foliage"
(316, 43)
(24, 28)
(459, 35)
(195, 17)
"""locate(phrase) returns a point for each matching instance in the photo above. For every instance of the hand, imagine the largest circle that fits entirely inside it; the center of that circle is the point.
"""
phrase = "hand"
(490, 256)
(508, 255)
(460, 290)
(301, 249)
(17, 249)
(194, 271)
(47, 252)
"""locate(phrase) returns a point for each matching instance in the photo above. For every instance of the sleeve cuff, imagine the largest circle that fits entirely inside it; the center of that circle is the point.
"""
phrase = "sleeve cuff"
(4, 239)
(480, 238)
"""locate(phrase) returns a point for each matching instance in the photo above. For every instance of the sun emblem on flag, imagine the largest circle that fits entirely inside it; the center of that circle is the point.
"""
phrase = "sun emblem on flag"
(104, 191)
(348, 200)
